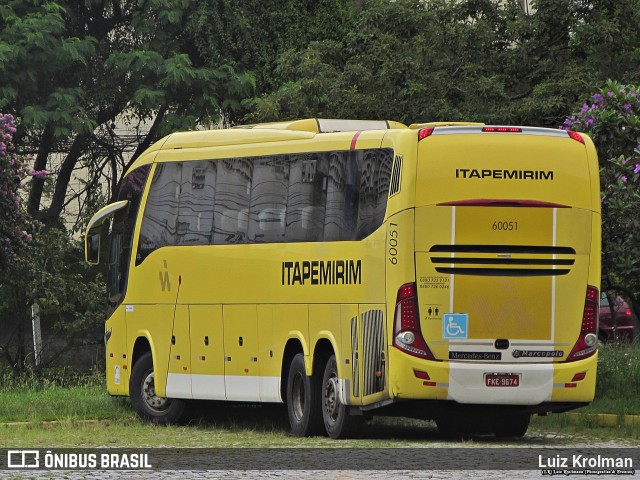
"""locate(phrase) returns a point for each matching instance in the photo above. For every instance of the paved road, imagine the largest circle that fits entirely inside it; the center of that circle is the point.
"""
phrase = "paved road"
(435, 460)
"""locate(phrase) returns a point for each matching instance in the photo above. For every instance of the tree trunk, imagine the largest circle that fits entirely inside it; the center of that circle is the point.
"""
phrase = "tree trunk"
(42, 158)
(64, 177)
(151, 136)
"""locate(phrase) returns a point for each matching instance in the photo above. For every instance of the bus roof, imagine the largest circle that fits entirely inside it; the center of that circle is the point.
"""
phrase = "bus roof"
(328, 125)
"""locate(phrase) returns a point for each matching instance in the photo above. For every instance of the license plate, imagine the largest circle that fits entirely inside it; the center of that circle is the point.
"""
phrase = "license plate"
(502, 379)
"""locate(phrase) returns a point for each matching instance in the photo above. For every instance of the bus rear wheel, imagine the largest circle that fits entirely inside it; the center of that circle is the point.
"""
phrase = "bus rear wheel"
(511, 425)
(303, 400)
(337, 421)
(144, 400)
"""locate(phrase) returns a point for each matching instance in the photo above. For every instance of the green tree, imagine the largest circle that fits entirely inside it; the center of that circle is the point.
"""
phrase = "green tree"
(612, 118)
(252, 34)
(16, 229)
(475, 60)
(50, 272)
(71, 69)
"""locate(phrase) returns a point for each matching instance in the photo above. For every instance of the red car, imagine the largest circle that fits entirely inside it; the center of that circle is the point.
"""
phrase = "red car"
(626, 321)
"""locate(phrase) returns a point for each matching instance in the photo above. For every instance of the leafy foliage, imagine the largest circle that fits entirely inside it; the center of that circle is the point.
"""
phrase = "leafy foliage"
(16, 230)
(39, 265)
(475, 60)
(71, 69)
(612, 118)
(51, 272)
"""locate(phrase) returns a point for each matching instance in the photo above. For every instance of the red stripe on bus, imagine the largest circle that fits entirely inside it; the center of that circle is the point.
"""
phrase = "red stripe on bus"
(355, 139)
(502, 203)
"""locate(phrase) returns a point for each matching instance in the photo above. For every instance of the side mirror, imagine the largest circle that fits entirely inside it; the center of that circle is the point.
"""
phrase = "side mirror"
(92, 248)
(94, 230)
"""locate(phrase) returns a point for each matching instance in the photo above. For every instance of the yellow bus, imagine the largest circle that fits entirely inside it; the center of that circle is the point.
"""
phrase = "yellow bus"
(442, 271)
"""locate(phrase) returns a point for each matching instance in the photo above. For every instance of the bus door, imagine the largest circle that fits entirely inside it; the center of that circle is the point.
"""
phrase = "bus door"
(207, 352)
(241, 371)
(179, 373)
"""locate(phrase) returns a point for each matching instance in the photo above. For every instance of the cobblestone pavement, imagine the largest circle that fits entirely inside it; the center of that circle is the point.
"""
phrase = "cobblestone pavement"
(298, 474)
(475, 455)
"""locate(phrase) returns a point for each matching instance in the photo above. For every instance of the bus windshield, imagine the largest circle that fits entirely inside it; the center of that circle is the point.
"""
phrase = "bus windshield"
(121, 234)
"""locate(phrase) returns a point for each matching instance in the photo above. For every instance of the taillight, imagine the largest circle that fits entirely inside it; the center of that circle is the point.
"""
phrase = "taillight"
(407, 335)
(576, 136)
(502, 129)
(424, 133)
(588, 340)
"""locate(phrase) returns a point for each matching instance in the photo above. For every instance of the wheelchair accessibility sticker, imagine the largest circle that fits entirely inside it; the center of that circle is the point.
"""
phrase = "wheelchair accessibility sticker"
(455, 325)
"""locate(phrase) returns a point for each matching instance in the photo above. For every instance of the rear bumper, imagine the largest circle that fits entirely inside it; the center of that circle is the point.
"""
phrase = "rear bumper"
(464, 383)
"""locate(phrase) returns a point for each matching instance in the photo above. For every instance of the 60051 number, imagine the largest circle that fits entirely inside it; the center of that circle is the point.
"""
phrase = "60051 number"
(505, 226)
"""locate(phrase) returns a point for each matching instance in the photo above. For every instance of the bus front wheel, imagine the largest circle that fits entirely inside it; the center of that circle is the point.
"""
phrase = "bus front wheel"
(144, 400)
(337, 421)
(303, 400)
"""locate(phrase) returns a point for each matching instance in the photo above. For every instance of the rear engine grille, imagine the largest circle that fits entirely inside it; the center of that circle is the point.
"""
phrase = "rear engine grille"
(503, 264)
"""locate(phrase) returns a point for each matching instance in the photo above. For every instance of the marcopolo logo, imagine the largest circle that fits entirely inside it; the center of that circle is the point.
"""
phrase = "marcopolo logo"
(537, 353)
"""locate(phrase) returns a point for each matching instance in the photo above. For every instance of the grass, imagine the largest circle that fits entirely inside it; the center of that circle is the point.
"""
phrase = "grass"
(62, 403)
(252, 427)
(566, 425)
(74, 400)
(618, 382)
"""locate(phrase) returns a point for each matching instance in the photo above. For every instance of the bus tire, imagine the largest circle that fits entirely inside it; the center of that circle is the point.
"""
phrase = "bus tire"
(303, 400)
(145, 402)
(513, 425)
(463, 425)
(337, 421)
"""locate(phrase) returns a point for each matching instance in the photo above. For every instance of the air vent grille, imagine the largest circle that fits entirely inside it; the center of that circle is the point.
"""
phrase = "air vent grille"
(396, 176)
(503, 260)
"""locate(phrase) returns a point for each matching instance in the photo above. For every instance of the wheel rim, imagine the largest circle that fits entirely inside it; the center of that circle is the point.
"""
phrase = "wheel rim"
(297, 395)
(331, 400)
(152, 401)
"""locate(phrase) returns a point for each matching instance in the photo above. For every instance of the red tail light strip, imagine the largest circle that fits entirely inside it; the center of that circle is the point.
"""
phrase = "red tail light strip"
(587, 341)
(486, 202)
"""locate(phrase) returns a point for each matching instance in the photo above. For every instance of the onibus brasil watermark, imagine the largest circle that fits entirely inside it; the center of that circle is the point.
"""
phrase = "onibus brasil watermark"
(35, 459)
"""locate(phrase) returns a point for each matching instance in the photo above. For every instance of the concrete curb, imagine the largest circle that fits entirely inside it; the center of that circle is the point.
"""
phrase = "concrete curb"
(52, 423)
(595, 419)
(604, 419)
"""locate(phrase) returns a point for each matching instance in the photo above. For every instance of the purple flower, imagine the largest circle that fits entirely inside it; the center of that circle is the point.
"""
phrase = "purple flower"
(627, 108)
(39, 173)
(584, 108)
(597, 98)
(637, 169)
(623, 179)
(609, 94)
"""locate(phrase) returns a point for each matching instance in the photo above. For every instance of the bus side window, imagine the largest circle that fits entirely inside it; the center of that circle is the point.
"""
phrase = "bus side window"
(374, 190)
(233, 190)
(268, 200)
(195, 213)
(383, 183)
(337, 225)
(160, 220)
(306, 199)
